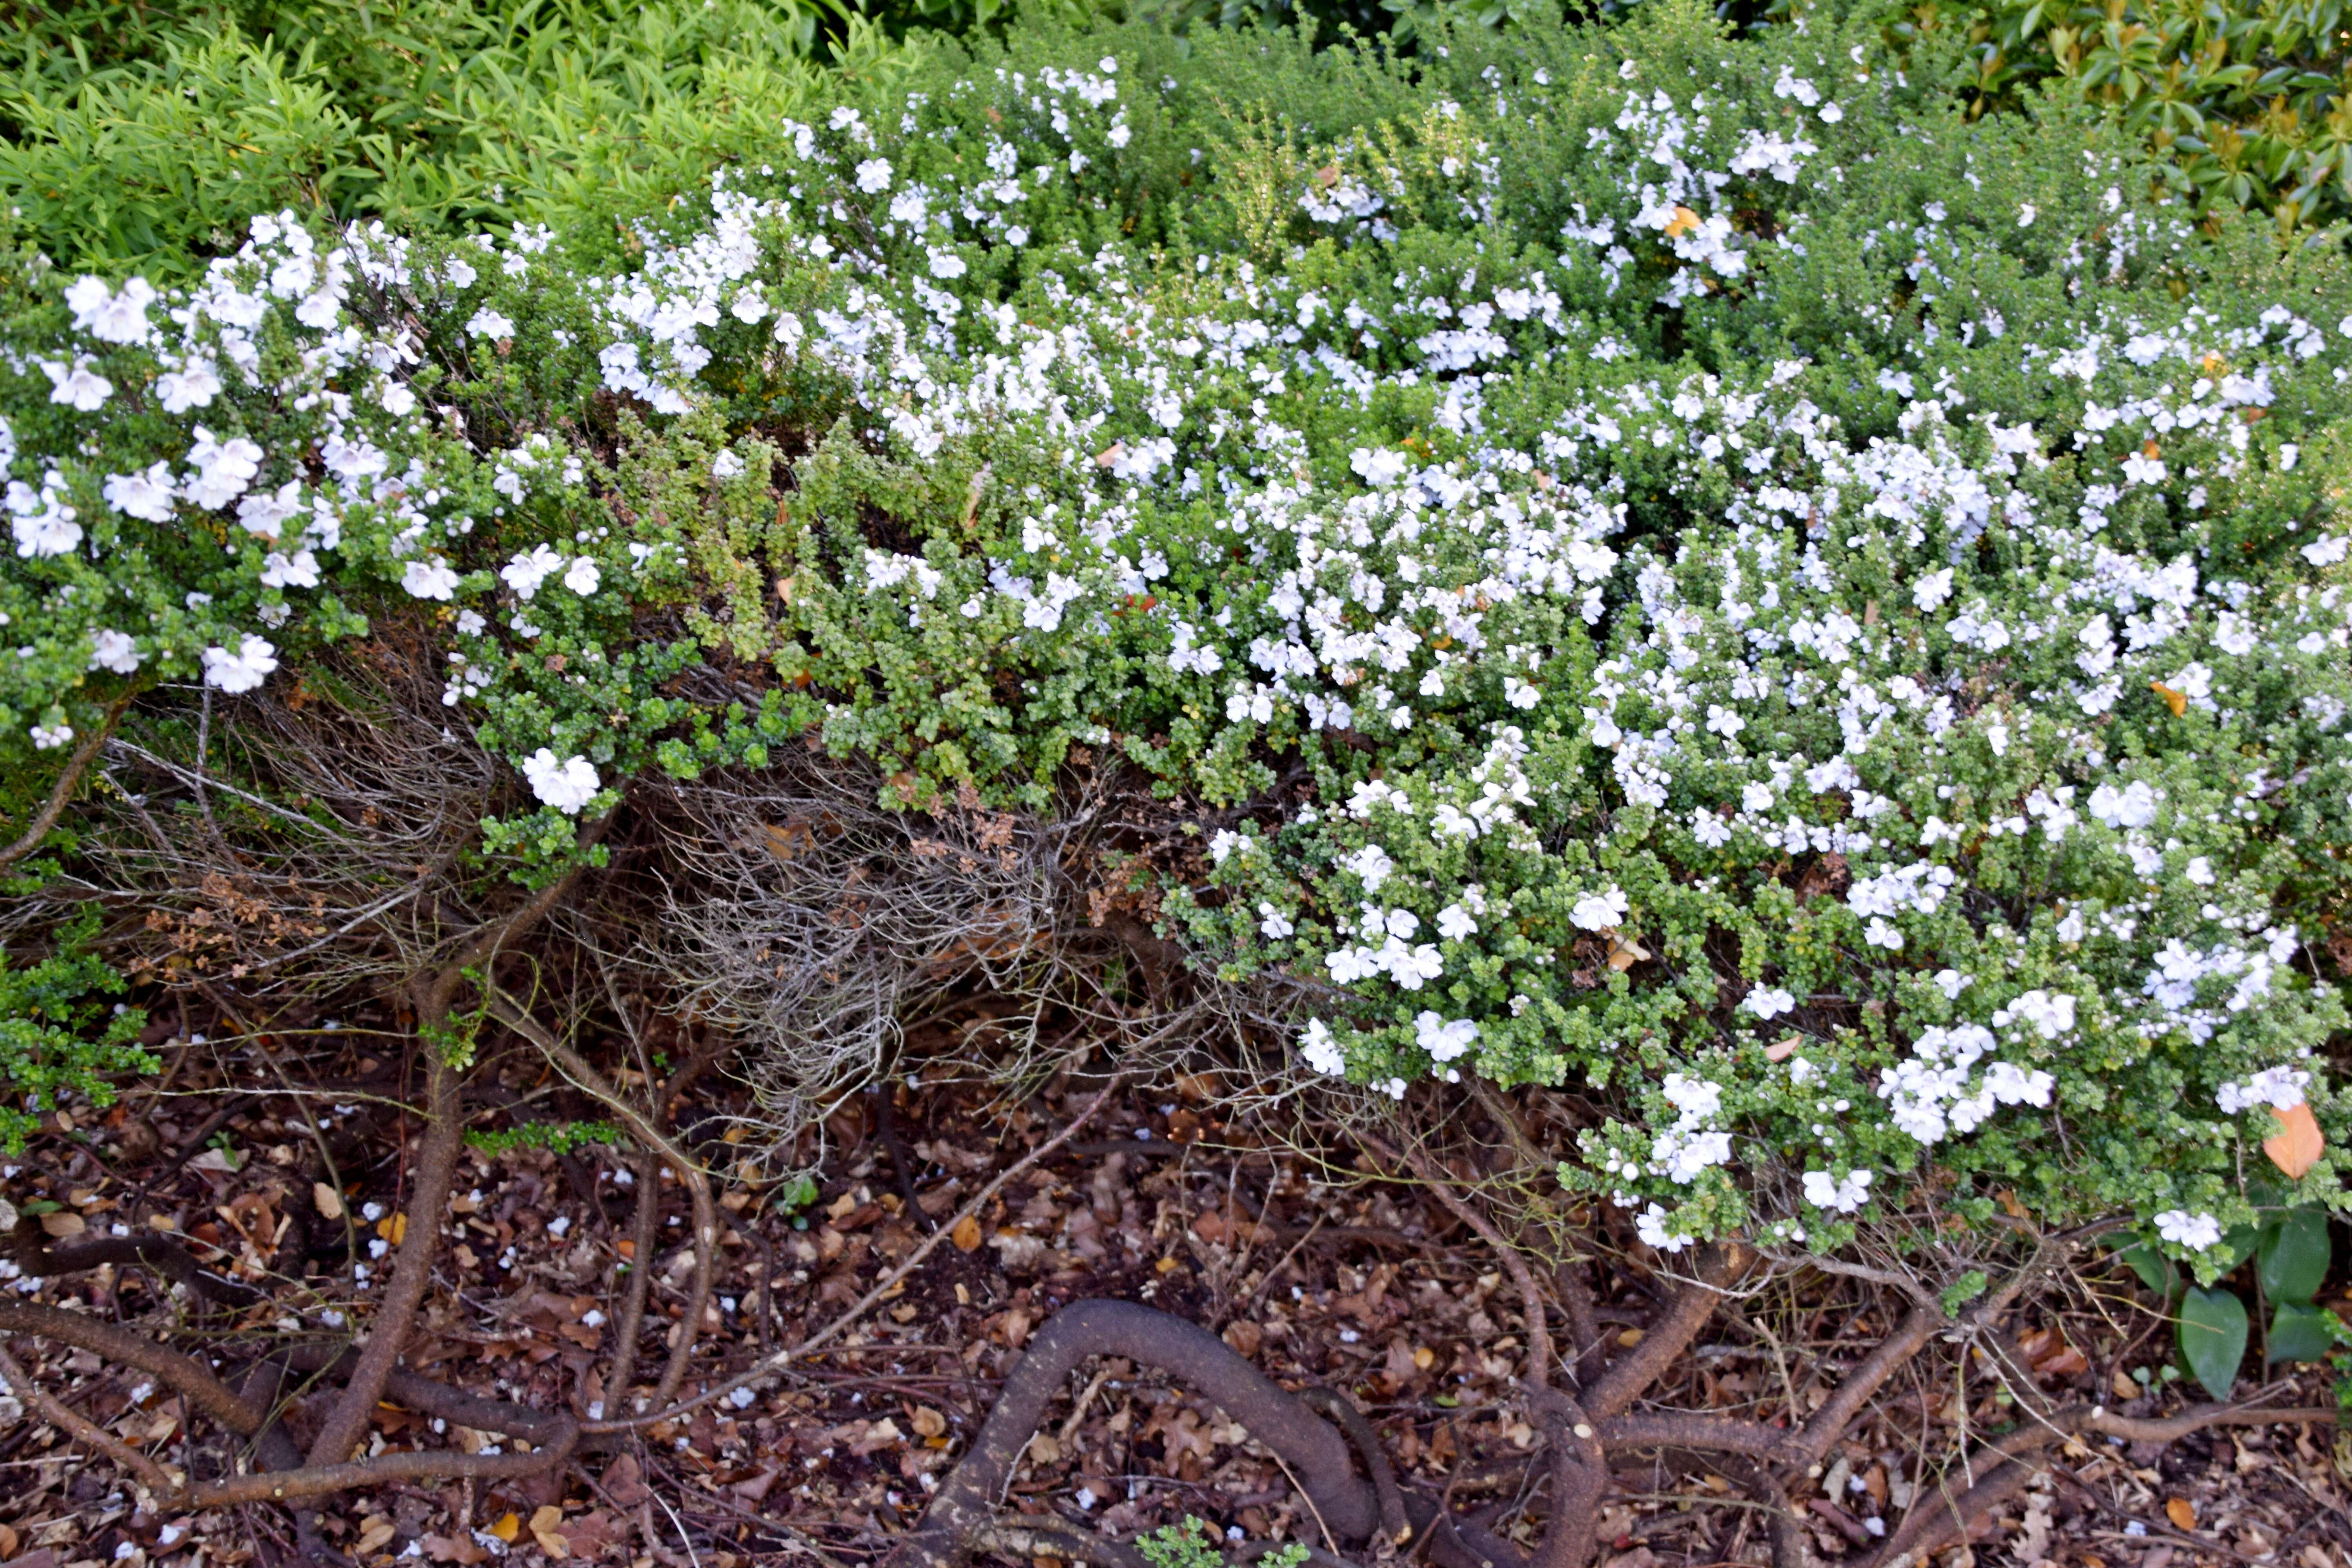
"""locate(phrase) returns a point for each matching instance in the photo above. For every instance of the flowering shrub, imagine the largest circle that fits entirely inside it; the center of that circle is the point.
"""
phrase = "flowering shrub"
(1680, 567)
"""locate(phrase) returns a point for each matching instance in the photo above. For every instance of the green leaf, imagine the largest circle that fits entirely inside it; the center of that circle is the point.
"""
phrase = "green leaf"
(2300, 1331)
(2213, 1337)
(2239, 1245)
(2155, 1269)
(2292, 1262)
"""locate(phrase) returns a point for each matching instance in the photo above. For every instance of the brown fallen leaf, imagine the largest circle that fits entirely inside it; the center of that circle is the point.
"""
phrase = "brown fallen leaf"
(374, 1532)
(2297, 1144)
(456, 1548)
(508, 1528)
(2182, 1513)
(927, 1421)
(329, 1202)
(966, 1234)
(625, 1480)
(1784, 1049)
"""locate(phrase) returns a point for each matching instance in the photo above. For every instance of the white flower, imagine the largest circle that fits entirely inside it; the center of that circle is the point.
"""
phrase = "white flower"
(487, 323)
(582, 576)
(946, 264)
(567, 784)
(1601, 910)
(1272, 922)
(223, 469)
(2328, 551)
(266, 513)
(1651, 1225)
(1770, 1002)
(2196, 1232)
(77, 385)
(115, 651)
(1455, 924)
(2026, 215)
(1372, 864)
(432, 578)
(873, 176)
(2131, 806)
(726, 465)
(243, 670)
(1443, 1041)
(108, 316)
(193, 385)
(147, 496)
(1824, 1191)
(44, 525)
(1322, 1053)
(1519, 694)
(49, 740)
(528, 569)
(1379, 469)
(1929, 592)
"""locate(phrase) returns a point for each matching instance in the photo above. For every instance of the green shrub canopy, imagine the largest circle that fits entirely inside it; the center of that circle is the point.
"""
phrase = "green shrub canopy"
(1677, 567)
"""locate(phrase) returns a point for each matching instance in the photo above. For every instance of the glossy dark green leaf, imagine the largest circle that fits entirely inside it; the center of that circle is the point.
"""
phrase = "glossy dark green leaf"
(2292, 1261)
(2300, 1331)
(2212, 1328)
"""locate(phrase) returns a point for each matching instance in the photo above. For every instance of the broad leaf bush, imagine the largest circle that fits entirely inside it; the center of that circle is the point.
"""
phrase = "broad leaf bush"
(2245, 104)
(1685, 568)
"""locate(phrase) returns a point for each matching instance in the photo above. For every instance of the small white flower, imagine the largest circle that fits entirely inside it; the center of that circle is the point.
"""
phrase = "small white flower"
(726, 465)
(77, 385)
(945, 263)
(432, 578)
(1651, 1225)
(147, 496)
(566, 783)
(1824, 1191)
(241, 669)
(115, 651)
(582, 576)
(528, 569)
(487, 323)
(1601, 910)
(2197, 1232)
(49, 740)
(873, 176)
(193, 385)
(1322, 1052)
(110, 317)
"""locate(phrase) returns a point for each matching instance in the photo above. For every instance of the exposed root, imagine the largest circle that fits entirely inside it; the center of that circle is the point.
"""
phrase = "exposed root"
(1316, 1453)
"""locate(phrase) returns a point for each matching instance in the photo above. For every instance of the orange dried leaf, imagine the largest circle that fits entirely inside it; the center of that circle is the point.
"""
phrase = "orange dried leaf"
(1784, 1049)
(507, 1529)
(966, 1234)
(1681, 223)
(2298, 1145)
(2182, 1513)
(2176, 700)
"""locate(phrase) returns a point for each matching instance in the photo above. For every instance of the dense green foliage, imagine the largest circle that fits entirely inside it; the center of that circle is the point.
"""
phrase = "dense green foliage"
(2247, 103)
(1693, 570)
(60, 1036)
(141, 137)
(138, 136)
